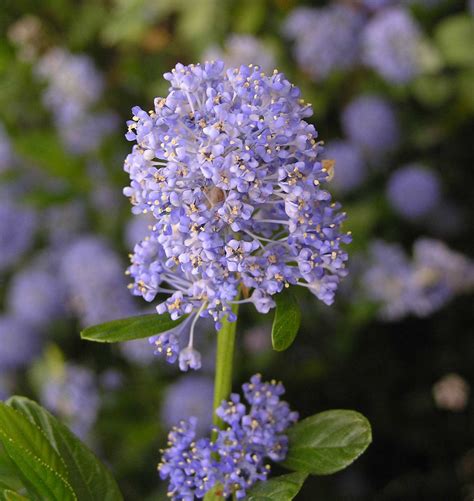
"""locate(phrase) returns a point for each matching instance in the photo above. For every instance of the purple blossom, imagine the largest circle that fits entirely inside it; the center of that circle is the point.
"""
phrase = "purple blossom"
(350, 170)
(369, 121)
(228, 167)
(20, 342)
(391, 45)
(92, 273)
(189, 396)
(243, 49)
(236, 458)
(413, 191)
(17, 230)
(418, 286)
(326, 39)
(74, 86)
(36, 294)
(72, 394)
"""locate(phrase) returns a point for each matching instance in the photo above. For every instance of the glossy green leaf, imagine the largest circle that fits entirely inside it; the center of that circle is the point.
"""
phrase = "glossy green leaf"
(283, 488)
(127, 329)
(9, 474)
(89, 478)
(327, 442)
(42, 470)
(286, 322)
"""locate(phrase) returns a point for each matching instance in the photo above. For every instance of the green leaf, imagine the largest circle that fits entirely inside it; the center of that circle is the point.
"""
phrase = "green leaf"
(89, 478)
(283, 488)
(127, 329)
(9, 474)
(42, 470)
(327, 442)
(455, 39)
(286, 322)
(9, 495)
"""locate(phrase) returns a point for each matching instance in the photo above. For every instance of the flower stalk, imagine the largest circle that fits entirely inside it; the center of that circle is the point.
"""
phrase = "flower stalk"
(223, 381)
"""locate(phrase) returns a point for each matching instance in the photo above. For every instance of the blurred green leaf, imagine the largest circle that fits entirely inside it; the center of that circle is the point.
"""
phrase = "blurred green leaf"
(127, 329)
(283, 488)
(129, 19)
(43, 148)
(43, 471)
(249, 16)
(9, 495)
(455, 39)
(327, 442)
(287, 320)
(88, 477)
(433, 90)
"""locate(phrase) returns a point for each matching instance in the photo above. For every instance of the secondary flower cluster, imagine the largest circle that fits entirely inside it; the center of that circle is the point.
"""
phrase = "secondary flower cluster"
(235, 458)
(420, 286)
(229, 169)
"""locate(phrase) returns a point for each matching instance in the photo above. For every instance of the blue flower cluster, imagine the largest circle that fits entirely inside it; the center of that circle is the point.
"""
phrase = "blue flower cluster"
(391, 45)
(74, 88)
(370, 122)
(326, 39)
(72, 394)
(93, 278)
(18, 223)
(382, 34)
(243, 49)
(413, 191)
(229, 168)
(419, 286)
(235, 459)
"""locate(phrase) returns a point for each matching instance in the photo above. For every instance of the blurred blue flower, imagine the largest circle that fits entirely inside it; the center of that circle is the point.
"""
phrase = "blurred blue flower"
(417, 286)
(74, 86)
(370, 122)
(391, 43)
(189, 396)
(17, 230)
(326, 39)
(137, 351)
(94, 278)
(63, 222)
(350, 170)
(413, 191)
(20, 342)
(72, 395)
(138, 228)
(36, 293)
(243, 49)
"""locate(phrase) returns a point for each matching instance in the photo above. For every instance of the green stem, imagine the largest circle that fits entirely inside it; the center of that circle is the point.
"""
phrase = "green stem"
(224, 364)
(223, 380)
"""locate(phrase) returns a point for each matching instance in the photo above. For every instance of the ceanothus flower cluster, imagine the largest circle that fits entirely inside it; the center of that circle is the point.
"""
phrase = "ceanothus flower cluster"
(235, 458)
(229, 168)
(417, 286)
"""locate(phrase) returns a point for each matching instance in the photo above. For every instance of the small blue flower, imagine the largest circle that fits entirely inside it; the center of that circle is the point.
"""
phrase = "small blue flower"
(326, 39)
(350, 169)
(413, 191)
(20, 343)
(370, 122)
(391, 45)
